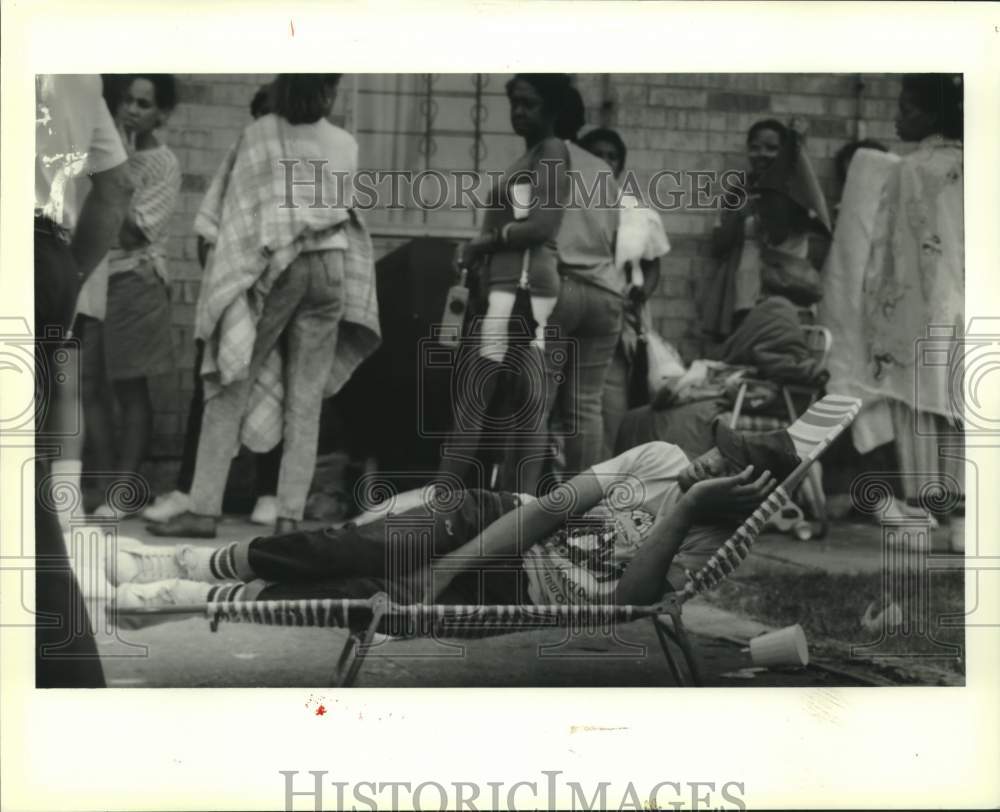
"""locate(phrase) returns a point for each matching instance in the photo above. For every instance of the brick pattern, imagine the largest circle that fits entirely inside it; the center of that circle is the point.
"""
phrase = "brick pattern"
(668, 121)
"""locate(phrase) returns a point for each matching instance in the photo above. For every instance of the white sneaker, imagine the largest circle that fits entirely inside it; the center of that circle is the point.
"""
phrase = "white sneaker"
(154, 596)
(174, 592)
(265, 511)
(150, 597)
(142, 564)
(166, 507)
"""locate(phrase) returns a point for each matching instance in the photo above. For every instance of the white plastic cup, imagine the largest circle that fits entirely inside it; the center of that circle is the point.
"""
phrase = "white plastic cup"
(785, 648)
(520, 199)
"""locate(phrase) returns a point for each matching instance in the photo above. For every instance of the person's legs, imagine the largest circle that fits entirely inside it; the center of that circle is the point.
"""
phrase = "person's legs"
(192, 430)
(615, 399)
(478, 372)
(98, 407)
(218, 442)
(267, 467)
(916, 456)
(311, 344)
(223, 415)
(137, 424)
(138, 345)
(475, 383)
(265, 486)
(526, 450)
(582, 391)
(390, 547)
(178, 500)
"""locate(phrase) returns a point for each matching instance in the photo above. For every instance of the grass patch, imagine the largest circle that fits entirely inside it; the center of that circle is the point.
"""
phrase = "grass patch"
(830, 608)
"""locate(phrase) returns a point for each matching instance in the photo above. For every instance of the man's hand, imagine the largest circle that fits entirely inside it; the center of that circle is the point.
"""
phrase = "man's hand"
(740, 494)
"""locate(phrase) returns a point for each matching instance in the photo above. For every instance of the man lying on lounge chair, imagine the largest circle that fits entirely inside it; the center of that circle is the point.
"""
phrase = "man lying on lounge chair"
(624, 531)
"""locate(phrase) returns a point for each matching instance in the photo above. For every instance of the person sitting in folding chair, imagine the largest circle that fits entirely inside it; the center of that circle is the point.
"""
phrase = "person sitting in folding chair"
(624, 531)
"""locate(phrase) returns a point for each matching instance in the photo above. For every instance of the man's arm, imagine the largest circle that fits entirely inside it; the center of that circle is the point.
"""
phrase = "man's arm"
(516, 531)
(642, 582)
(101, 217)
(707, 501)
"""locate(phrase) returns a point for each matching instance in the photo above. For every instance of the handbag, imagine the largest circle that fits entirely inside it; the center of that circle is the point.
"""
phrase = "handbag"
(664, 362)
(655, 362)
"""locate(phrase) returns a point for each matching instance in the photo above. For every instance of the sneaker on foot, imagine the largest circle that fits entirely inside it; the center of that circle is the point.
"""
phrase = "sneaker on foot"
(160, 594)
(265, 511)
(168, 506)
(172, 592)
(142, 564)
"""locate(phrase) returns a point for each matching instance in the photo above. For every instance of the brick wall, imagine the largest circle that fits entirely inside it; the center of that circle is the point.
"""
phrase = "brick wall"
(668, 121)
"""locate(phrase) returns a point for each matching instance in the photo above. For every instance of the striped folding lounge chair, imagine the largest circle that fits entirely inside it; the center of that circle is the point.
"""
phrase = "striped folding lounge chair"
(812, 434)
(820, 342)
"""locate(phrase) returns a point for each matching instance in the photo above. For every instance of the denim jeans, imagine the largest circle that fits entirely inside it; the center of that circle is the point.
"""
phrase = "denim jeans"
(302, 312)
(588, 322)
(615, 399)
(267, 464)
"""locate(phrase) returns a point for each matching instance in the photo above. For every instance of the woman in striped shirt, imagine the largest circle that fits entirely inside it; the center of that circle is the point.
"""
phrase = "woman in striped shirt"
(127, 337)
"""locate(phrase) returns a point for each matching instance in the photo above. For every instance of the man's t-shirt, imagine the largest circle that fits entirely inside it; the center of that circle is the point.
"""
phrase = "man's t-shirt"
(74, 136)
(582, 562)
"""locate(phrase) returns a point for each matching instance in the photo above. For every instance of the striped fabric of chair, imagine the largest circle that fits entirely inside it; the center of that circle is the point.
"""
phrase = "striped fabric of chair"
(812, 434)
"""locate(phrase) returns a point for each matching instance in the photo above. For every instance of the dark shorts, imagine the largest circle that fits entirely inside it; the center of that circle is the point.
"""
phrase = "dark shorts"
(135, 339)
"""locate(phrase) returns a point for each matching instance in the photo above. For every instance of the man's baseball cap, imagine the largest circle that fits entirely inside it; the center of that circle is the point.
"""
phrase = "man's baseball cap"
(771, 451)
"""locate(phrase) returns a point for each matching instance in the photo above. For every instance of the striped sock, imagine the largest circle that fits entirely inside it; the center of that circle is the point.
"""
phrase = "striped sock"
(223, 563)
(226, 593)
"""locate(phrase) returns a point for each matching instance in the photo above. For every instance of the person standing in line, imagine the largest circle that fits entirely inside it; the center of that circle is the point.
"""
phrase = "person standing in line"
(645, 252)
(178, 501)
(287, 308)
(74, 136)
(915, 281)
(785, 207)
(126, 326)
(548, 112)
